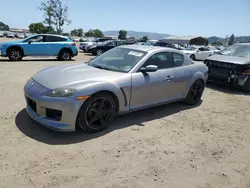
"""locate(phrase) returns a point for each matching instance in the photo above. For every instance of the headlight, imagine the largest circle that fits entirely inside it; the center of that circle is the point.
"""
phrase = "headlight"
(62, 92)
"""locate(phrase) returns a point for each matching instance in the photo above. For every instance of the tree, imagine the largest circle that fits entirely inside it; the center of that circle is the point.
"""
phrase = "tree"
(55, 13)
(94, 33)
(144, 38)
(122, 35)
(38, 28)
(231, 40)
(4, 27)
(77, 32)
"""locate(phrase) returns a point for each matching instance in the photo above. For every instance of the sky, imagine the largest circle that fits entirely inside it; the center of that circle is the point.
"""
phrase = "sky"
(176, 17)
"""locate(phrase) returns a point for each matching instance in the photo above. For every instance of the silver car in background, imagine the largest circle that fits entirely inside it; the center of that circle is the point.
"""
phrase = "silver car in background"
(122, 80)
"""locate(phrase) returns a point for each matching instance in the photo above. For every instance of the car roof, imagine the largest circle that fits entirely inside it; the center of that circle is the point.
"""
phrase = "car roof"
(146, 48)
(53, 35)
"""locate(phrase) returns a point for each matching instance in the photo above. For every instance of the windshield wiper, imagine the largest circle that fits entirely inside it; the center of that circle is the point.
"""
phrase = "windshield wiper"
(100, 67)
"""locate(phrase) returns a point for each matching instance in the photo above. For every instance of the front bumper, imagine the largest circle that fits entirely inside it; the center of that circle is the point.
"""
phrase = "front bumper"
(41, 107)
(226, 73)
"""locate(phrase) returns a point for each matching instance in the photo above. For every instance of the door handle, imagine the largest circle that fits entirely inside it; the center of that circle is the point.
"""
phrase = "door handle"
(169, 78)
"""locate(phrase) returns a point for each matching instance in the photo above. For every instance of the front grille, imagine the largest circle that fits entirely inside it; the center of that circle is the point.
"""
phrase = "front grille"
(54, 114)
(218, 64)
(32, 104)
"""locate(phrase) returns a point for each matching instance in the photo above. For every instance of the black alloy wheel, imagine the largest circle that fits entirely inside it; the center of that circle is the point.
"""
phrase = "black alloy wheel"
(65, 55)
(15, 54)
(195, 93)
(97, 113)
(99, 52)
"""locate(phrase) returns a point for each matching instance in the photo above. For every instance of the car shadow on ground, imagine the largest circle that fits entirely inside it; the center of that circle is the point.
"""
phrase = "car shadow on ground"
(37, 132)
(225, 88)
(30, 60)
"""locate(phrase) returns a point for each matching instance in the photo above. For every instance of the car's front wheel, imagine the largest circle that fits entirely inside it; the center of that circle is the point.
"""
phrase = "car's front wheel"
(97, 113)
(192, 57)
(195, 92)
(65, 55)
(15, 54)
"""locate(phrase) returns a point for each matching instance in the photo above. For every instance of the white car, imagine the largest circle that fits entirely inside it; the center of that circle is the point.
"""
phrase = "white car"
(198, 53)
(20, 35)
(215, 49)
(1, 34)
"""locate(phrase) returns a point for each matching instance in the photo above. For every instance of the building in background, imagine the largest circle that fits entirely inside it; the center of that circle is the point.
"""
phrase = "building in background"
(186, 40)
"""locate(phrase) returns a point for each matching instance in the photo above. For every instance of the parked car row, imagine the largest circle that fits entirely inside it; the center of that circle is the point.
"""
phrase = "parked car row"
(9, 34)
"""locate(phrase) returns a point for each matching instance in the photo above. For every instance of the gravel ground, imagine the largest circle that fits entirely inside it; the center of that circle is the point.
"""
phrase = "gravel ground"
(206, 146)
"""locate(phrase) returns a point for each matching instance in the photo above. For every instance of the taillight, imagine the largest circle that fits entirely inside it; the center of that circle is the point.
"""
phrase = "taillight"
(247, 72)
(74, 44)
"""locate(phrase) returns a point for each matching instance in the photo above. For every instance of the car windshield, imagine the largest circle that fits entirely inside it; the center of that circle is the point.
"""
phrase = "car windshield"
(118, 59)
(191, 48)
(237, 50)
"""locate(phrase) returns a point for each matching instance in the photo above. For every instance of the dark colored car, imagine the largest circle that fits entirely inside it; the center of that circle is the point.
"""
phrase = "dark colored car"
(231, 66)
(105, 46)
(165, 44)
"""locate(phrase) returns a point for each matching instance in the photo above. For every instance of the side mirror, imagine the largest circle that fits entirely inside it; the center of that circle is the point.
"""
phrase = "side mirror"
(149, 68)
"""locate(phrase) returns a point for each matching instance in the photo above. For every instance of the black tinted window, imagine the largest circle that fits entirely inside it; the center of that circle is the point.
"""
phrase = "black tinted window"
(55, 39)
(178, 59)
(162, 60)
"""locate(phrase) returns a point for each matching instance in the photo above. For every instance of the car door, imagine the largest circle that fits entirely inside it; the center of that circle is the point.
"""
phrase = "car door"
(54, 44)
(203, 53)
(35, 46)
(181, 75)
(151, 88)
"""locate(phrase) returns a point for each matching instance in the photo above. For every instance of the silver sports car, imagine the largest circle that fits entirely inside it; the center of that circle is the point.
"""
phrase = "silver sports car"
(124, 79)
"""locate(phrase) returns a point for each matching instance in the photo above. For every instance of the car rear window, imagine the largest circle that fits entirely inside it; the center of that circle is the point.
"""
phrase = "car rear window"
(55, 39)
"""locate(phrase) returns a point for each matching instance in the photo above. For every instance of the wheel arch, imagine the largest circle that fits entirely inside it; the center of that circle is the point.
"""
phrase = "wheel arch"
(65, 48)
(113, 89)
(15, 47)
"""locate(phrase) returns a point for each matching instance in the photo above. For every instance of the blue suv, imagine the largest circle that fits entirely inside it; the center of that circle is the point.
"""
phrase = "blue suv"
(39, 45)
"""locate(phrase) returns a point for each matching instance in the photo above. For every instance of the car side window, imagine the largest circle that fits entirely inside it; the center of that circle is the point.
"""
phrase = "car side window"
(178, 60)
(38, 38)
(162, 60)
(55, 39)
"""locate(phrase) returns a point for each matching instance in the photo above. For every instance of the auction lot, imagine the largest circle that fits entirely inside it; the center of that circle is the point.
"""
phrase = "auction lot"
(206, 146)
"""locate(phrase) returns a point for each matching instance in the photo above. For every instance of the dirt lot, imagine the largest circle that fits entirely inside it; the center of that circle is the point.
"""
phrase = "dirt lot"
(207, 146)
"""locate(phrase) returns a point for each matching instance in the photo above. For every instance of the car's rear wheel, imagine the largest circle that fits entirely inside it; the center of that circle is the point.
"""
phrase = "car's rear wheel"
(192, 57)
(97, 113)
(194, 95)
(15, 54)
(65, 55)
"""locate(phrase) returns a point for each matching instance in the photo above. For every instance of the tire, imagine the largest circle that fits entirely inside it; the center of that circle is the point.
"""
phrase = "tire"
(192, 57)
(195, 93)
(97, 113)
(99, 52)
(15, 54)
(65, 55)
(246, 87)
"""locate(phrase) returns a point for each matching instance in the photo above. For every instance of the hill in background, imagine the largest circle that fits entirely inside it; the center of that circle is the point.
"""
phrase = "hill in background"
(157, 36)
(138, 34)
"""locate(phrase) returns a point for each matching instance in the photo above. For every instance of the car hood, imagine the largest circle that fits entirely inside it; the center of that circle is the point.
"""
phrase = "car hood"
(229, 59)
(72, 75)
